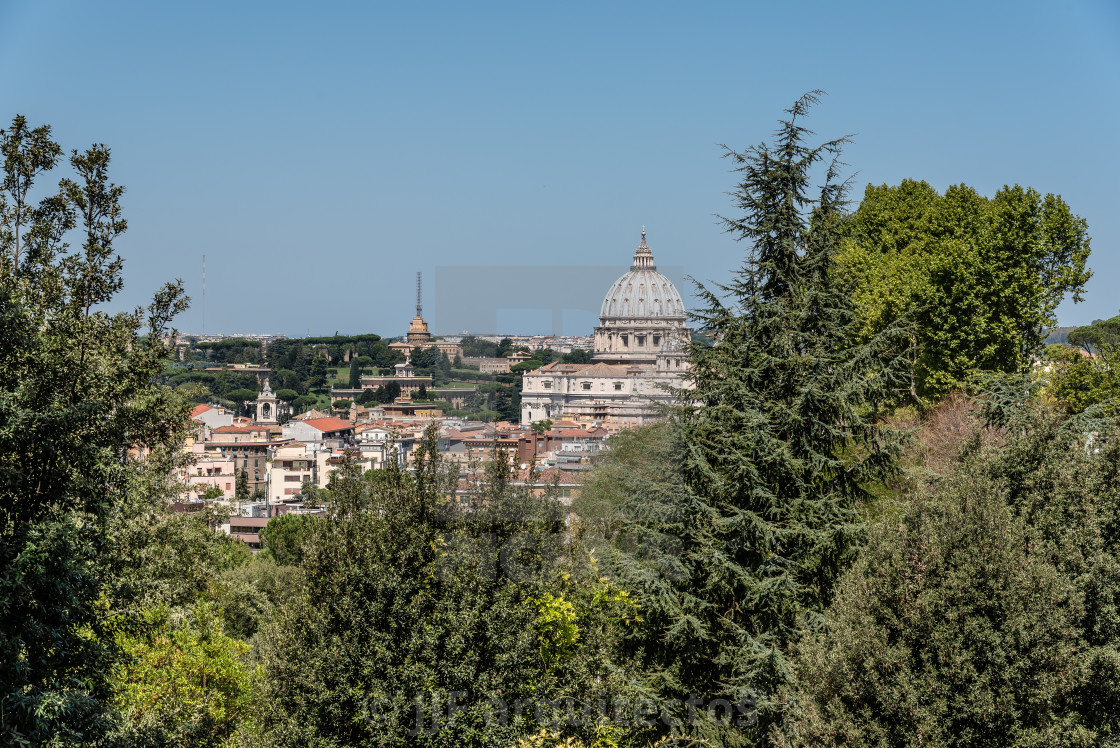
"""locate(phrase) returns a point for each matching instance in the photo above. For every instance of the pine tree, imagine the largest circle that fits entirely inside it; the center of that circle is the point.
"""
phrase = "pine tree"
(777, 448)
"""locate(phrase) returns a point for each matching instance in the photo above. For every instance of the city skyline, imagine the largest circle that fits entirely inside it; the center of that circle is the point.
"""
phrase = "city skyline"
(320, 157)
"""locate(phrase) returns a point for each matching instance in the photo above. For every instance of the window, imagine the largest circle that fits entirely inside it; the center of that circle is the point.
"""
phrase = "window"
(618, 386)
(585, 385)
(227, 486)
(547, 385)
(625, 341)
(657, 340)
(641, 341)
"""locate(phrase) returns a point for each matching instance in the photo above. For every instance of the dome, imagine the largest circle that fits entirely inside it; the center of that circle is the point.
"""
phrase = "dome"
(643, 292)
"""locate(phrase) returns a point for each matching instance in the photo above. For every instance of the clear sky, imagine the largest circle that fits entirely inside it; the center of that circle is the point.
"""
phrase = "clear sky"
(319, 154)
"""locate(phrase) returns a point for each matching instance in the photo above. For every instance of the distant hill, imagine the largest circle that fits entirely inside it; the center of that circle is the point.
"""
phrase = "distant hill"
(1058, 334)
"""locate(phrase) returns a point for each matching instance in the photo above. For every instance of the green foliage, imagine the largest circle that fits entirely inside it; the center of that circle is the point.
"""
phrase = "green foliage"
(283, 537)
(557, 630)
(355, 374)
(1079, 382)
(287, 395)
(507, 401)
(251, 593)
(385, 393)
(76, 394)
(410, 597)
(182, 683)
(476, 348)
(980, 276)
(212, 493)
(1094, 337)
(734, 537)
(241, 485)
(317, 378)
(241, 395)
(984, 614)
(342, 404)
(303, 402)
(168, 559)
(231, 351)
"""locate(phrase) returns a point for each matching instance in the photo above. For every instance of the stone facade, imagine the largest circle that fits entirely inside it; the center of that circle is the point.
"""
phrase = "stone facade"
(639, 359)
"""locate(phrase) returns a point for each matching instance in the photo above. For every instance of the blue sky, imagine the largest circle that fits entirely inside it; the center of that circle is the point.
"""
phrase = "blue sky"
(320, 154)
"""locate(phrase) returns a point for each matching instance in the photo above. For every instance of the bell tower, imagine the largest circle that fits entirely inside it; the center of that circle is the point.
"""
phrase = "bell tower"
(266, 406)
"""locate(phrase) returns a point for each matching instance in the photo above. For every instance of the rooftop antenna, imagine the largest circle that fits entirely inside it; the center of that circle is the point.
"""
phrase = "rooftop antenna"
(418, 306)
(204, 295)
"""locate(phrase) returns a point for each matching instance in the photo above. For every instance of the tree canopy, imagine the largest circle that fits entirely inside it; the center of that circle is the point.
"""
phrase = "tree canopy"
(980, 277)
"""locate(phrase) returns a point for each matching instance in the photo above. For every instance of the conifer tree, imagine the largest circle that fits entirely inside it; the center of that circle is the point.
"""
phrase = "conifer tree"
(777, 447)
(355, 374)
(241, 485)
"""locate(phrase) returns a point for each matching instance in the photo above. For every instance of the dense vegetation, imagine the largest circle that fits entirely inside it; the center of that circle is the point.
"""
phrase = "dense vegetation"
(886, 516)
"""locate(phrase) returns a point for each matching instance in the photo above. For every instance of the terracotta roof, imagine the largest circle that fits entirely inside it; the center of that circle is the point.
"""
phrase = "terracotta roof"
(239, 429)
(548, 476)
(198, 410)
(310, 415)
(556, 367)
(329, 424)
(583, 433)
(603, 370)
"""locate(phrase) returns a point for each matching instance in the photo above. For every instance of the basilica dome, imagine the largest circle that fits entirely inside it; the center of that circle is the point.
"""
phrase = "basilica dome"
(642, 292)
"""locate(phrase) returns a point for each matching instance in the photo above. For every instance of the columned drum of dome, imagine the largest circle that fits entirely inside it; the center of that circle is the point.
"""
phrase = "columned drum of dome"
(642, 316)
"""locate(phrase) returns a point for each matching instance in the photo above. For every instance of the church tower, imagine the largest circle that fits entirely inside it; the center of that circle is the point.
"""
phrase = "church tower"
(266, 406)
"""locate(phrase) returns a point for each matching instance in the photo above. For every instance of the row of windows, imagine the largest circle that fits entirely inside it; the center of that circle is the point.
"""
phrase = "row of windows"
(587, 386)
(641, 340)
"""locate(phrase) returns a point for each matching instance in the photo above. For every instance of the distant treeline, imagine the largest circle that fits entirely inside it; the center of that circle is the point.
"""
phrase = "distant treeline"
(229, 351)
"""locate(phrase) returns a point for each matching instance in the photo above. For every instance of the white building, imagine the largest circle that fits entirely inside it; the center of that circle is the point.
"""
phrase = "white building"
(318, 429)
(212, 416)
(639, 359)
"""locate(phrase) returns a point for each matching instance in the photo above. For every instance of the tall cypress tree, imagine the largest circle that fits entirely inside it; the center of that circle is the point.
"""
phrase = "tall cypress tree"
(355, 374)
(777, 448)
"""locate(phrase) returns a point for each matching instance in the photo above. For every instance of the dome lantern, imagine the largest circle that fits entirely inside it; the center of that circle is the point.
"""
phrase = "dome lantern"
(642, 292)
